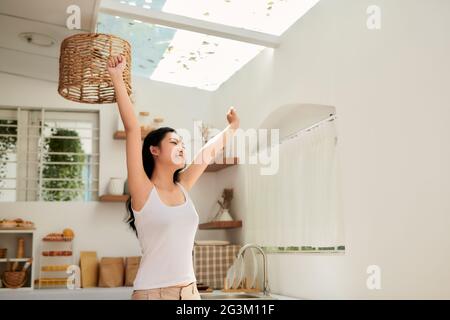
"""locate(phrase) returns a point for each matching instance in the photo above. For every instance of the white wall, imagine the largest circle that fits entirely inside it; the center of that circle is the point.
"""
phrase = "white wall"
(390, 90)
(388, 87)
(99, 226)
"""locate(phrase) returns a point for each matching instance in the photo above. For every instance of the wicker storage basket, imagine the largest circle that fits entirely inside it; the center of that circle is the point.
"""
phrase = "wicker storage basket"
(83, 74)
(14, 279)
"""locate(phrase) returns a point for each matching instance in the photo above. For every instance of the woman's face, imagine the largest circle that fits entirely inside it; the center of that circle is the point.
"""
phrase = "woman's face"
(171, 150)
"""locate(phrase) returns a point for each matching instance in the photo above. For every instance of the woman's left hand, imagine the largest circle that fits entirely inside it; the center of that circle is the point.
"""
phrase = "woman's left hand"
(233, 118)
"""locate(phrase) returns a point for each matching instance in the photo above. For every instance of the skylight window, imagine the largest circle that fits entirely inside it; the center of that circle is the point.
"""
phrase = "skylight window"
(205, 51)
(177, 56)
(268, 16)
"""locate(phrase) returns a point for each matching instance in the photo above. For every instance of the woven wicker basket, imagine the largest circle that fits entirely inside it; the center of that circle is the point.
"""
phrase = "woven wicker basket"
(14, 279)
(83, 74)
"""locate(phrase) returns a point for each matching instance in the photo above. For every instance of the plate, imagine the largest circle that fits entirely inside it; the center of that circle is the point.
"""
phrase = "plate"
(251, 268)
(230, 274)
(238, 273)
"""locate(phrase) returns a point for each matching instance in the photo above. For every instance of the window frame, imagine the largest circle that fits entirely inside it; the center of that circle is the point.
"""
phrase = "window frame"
(29, 149)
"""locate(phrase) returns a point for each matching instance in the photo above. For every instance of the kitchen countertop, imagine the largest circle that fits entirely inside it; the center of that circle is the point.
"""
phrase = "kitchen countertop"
(119, 293)
(277, 296)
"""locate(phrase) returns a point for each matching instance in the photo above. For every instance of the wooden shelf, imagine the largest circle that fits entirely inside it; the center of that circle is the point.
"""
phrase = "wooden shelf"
(221, 225)
(228, 162)
(14, 259)
(16, 230)
(24, 288)
(213, 167)
(114, 198)
(120, 135)
(59, 240)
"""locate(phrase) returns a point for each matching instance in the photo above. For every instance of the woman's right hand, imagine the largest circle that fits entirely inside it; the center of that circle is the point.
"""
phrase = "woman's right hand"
(233, 118)
(116, 65)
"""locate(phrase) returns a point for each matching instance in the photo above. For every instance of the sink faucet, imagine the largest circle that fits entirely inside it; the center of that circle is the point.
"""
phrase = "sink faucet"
(266, 290)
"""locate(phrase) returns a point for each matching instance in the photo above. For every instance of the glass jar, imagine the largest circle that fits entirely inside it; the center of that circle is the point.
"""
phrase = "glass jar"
(144, 120)
(157, 122)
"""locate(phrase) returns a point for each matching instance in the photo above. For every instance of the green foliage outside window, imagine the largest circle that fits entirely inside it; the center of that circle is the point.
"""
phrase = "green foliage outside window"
(293, 249)
(7, 144)
(74, 172)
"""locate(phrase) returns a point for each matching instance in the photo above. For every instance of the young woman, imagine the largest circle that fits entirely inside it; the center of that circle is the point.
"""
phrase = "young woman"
(161, 212)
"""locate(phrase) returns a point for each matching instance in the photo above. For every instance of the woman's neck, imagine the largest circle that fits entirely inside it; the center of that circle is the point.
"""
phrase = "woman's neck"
(162, 178)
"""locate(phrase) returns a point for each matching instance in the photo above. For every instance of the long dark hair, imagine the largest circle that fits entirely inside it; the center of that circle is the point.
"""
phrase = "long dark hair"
(154, 138)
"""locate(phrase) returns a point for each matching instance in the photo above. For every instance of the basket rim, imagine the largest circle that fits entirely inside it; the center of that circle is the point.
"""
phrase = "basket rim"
(94, 34)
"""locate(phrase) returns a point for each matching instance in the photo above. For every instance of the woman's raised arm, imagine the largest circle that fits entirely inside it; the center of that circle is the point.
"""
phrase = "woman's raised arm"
(190, 175)
(138, 182)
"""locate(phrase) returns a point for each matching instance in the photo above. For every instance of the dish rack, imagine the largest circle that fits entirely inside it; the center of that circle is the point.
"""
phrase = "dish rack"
(55, 257)
(237, 278)
(241, 288)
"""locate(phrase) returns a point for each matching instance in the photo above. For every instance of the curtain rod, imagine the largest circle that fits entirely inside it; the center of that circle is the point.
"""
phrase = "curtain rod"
(296, 134)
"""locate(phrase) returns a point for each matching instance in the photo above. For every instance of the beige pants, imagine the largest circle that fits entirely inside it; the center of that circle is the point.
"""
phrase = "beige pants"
(188, 292)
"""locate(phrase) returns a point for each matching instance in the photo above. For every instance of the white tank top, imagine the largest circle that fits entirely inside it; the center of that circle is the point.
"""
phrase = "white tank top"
(166, 235)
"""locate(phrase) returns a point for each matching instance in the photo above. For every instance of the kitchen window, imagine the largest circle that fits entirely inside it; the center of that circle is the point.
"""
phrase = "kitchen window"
(48, 155)
(297, 209)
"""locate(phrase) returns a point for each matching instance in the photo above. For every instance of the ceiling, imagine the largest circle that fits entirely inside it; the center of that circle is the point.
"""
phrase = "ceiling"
(193, 43)
(50, 11)
(41, 16)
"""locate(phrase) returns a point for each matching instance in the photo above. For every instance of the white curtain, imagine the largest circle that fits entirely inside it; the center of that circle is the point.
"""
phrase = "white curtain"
(299, 205)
